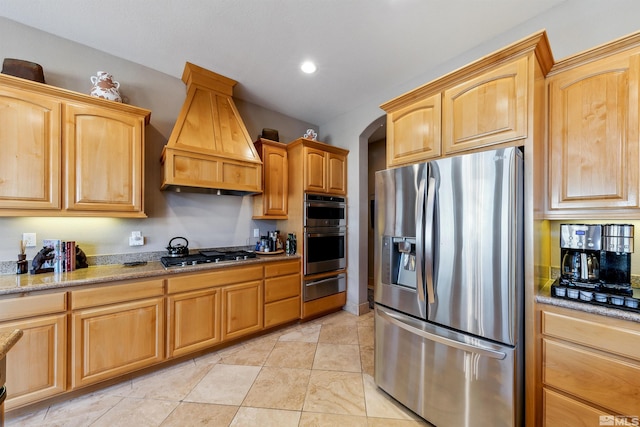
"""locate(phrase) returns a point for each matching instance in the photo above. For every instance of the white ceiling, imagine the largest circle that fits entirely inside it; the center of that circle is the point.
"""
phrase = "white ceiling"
(360, 46)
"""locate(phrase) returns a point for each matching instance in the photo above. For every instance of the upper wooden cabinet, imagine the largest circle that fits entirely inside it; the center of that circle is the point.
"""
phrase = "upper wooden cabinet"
(490, 101)
(487, 109)
(324, 166)
(69, 154)
(594, 133)
(274, 200)
(415, 131)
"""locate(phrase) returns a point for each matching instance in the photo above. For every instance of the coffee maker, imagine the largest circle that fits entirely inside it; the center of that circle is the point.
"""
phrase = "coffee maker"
(615, 259)
(580, 251)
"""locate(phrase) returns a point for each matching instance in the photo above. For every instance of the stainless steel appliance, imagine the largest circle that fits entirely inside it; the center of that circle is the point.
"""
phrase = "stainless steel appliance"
(325, 233)
(207, 256)
(596, 265)
(324, 211)
(580, 246)
(325, 249)
(449, 288)
(325, 286)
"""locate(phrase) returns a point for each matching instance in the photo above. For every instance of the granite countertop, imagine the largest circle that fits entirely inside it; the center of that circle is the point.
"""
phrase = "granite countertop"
(544, 297)
(21, 283)
(8, 340)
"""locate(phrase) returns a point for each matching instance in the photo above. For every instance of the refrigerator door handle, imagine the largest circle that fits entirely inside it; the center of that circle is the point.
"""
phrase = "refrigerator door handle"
(420, 240)
(428, 239)
(483, 351)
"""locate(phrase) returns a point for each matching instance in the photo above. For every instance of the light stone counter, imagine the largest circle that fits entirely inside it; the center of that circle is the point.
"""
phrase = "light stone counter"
(24, 283)
(544, 297)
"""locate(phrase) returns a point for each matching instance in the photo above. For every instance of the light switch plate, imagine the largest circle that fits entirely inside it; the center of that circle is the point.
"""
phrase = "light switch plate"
(29, 239)
(136, 239)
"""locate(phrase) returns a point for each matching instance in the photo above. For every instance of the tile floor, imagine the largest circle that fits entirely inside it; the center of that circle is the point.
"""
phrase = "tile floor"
(317, 373)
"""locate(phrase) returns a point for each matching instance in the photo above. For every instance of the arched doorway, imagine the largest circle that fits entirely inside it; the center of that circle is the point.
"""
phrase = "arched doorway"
(372, 158)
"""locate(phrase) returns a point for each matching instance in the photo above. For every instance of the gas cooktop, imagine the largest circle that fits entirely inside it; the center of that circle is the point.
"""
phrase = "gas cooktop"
(207, 256)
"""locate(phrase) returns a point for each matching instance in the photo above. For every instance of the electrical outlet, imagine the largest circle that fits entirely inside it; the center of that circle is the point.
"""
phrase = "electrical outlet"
(136, 239)
(256, 232)
(29, 239)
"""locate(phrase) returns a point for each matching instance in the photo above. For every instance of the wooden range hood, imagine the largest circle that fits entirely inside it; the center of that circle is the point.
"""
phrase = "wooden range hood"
(209, 150)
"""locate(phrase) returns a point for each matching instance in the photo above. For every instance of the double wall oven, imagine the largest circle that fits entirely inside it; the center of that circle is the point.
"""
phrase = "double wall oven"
(325, 245)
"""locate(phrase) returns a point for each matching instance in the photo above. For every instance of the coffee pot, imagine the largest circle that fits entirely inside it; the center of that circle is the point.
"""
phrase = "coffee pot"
(580, 250)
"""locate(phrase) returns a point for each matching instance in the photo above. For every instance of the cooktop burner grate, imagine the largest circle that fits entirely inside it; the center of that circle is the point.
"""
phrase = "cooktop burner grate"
(206, 257)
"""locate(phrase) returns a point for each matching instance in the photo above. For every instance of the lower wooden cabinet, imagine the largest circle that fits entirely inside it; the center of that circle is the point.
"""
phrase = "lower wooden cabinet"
(281, 293)
(590, 367)
(83, 336)
(193, 321)
(37, 364)
(113, 332)
(242, 306)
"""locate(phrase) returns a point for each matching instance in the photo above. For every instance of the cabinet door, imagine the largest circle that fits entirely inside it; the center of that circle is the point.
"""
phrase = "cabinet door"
(116, 339)
(485, 110)
(193, 320)
(337, 174)
(276, 181)
(315, 170)
(593, 135)
(562, 411)
(242, 308)
(30, 139)
(37, 363)
(104, 160)
(414, 132)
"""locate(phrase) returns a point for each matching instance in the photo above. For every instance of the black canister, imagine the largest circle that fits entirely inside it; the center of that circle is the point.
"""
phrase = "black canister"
(22, 265)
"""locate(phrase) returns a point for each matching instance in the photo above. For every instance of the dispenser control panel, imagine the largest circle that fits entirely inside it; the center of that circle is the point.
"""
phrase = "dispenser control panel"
(581, 236)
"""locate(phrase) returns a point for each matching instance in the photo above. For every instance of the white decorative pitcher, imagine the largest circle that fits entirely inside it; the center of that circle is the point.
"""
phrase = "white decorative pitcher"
(104, 87)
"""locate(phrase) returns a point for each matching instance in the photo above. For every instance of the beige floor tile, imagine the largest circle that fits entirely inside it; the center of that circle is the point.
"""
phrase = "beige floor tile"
(138, 412)
(335, 393)
(200, 414)
(337, 357)
(338, 318)
(381, 405)
(313, 419)
(25, 418)
(304, 333)
(367, 359)
(174, 383)
(208, 358)
(365, 335)
(386, 422)
(254, 352)
(80, 411)
(292, 354)
(339, 334)
(260, 417)
(224, 385)
(279, 388)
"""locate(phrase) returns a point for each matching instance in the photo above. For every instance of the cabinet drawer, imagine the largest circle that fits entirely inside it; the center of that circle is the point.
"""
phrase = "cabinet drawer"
(606, 337)
(110, 294)
(278, 288)
(561, 411)
(17, 308)
(281, 269)
(220, 277)
(605, 381)
(281, 311)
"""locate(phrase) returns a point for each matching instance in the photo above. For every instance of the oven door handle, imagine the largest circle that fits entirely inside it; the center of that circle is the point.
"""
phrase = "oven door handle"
(329, 234)
(328, 279)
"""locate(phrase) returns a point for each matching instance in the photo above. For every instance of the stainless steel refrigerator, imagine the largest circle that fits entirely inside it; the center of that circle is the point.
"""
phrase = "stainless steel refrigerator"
(449, 288)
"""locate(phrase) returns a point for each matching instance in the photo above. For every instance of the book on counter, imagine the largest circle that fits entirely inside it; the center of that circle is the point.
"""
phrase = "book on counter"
(64, 255)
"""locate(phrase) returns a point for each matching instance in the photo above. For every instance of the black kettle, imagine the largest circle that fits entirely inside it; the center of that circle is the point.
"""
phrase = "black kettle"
(178, 249)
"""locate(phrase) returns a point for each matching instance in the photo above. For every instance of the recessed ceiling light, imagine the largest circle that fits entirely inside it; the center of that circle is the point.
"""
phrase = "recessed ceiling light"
(308, 67)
